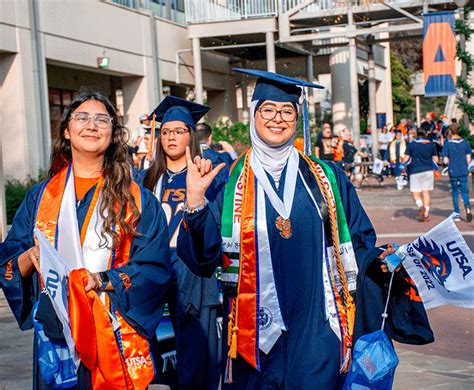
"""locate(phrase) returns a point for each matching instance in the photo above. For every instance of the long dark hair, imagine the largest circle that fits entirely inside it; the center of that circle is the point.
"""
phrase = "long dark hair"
(117, 198)
(158, 166)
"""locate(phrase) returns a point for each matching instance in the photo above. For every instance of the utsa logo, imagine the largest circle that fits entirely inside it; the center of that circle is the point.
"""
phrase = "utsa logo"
(435, 259)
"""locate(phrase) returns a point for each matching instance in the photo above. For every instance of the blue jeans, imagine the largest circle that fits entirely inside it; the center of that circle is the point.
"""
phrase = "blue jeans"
(459, 182)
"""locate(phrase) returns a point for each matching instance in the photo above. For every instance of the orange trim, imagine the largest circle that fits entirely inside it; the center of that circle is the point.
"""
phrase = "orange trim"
(90, 211)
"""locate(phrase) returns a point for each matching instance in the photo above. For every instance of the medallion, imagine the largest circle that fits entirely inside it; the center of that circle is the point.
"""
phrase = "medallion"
(284, 227)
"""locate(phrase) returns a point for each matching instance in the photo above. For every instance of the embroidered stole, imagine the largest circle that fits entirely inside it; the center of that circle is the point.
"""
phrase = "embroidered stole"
(243, 278)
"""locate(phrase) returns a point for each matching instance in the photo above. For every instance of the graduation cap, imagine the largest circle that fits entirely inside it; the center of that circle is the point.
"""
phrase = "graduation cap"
(281, 88)
(175, 109)
(148, 131)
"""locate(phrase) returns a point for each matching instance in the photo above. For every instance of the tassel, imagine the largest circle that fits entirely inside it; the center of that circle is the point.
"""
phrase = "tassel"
(168, 356)
(306, 130)
(346, 363)
(219, 327)
(229, 331)
(233, 344)
(228, 371)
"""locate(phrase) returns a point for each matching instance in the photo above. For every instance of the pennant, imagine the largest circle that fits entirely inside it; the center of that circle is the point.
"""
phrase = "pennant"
(439, 54)
(440, 263)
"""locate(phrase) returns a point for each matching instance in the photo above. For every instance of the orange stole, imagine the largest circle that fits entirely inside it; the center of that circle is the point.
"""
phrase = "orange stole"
(94, 337)
(245, 333)
(135, 355)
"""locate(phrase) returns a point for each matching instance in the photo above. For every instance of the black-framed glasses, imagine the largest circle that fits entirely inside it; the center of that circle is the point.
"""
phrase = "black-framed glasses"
(270, 113)
(178, 131)
(101, 121)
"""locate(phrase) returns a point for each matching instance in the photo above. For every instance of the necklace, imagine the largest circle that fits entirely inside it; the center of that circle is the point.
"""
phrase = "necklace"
(172, 174)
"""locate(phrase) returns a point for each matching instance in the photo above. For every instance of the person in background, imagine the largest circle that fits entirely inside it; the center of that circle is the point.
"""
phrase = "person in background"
(194, 303)
(325, 144)
(115, 233)
(385, 137)
(402, 126)
(422, 153)
(395, 155)
(222, 152)
(136, 142)
(457, 155)
(349, 148)
(428, 124)
(338, 143)
(149, 156)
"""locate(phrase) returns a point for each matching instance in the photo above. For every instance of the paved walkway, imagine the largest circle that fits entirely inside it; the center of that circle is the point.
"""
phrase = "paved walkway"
(448, 363)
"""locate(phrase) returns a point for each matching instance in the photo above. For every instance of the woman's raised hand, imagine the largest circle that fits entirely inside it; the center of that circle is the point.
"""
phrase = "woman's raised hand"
(198, 178)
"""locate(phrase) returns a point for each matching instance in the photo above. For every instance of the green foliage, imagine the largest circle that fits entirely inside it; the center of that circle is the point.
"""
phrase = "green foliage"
(15, 191)
(403, 102)
(463, 28)
(237, 134)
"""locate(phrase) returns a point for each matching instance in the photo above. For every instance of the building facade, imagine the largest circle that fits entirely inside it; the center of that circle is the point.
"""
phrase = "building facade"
(50, 49)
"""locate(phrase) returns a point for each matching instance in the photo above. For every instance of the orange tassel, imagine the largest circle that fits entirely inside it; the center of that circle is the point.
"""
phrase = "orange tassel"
(233, 344)
(229, 332)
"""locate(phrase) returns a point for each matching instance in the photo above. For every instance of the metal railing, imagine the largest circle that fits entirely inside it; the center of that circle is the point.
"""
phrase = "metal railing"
(202, 11)
(158, 7)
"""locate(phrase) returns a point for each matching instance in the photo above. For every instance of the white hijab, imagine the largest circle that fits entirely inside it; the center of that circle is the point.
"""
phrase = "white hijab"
(272, 158)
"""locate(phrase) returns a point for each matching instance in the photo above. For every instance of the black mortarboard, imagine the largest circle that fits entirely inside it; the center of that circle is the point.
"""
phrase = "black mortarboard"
(281, 88)
(176, 109)
(277, 87)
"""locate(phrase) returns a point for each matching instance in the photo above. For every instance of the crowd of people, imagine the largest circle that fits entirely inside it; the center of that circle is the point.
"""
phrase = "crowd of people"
(414, 156)
(266, 262)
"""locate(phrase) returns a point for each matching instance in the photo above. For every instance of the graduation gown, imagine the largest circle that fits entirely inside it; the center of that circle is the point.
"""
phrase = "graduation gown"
(194, 301)
(308, 353)
(148, 267)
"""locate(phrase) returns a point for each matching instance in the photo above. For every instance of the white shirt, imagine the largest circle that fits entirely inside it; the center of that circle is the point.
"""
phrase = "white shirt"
(386, 138)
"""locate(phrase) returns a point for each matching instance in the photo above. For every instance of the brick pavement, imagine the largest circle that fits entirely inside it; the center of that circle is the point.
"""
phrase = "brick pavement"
(446, 364)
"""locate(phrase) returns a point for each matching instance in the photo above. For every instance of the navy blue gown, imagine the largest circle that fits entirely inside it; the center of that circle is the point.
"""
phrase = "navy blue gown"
(149, 269)
(194, 301)
(307, 354)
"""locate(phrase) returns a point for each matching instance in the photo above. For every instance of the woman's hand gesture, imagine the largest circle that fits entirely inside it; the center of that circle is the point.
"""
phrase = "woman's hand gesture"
(198, 178)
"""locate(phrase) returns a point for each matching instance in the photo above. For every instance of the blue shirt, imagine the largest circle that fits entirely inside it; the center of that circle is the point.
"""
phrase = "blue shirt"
(456, 150)
(421, 152)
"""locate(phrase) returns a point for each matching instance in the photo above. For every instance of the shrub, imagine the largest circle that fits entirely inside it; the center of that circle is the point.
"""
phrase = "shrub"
(15, 191)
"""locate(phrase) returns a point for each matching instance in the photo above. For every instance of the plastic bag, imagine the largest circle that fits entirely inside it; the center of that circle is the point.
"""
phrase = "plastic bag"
(374, 359)
(373, 363)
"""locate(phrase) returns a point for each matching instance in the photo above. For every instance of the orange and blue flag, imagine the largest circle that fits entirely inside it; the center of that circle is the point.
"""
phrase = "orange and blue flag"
(439, 54)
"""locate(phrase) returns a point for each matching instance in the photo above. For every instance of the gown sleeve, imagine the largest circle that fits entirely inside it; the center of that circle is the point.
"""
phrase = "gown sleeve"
(140, 285)
(200, 240)
(407, 320)
(20, 292)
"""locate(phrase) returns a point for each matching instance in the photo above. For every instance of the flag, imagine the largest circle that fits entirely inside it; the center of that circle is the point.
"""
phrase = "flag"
(439, 53)
(55, 273)
(440, 263)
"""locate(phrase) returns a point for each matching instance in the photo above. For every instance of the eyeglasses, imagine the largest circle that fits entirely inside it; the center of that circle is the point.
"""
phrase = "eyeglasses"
(269, 113)
(178, 131)
(83, 118)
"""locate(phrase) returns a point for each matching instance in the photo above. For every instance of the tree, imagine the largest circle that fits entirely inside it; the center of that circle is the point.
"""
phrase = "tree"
(403, 102)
